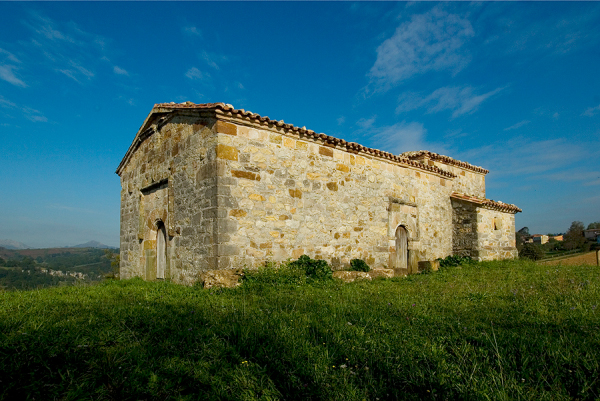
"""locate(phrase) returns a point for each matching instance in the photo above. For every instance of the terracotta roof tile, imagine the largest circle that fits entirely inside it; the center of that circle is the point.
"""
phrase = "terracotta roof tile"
(487, 203)
(352, 147)
(444, 159)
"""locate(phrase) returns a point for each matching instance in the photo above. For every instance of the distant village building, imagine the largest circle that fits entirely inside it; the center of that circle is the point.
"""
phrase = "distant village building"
(558, 238)
(208, 187)
(540, 239)
(591, 234)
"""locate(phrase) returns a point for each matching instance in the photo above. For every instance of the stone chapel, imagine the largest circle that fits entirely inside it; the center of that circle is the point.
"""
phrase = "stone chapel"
(209, 187)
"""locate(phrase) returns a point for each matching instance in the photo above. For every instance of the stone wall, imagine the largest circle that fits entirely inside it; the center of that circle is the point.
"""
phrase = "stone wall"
(464, 236)
(232, 194)
(171, 177)
(496, 238)
(288, 197)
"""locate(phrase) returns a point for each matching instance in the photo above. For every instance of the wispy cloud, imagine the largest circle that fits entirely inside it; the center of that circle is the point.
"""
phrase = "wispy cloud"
(517, 125)
(211, 59)
(428, 42)
(7, 66)
(120, 71)
(195, 74)
(64, 48)
(341, 120)
(27, 112)
(521, 156)
(400, 137)
(459, 100)
(591, 111)
(366, 123)
(191, 30)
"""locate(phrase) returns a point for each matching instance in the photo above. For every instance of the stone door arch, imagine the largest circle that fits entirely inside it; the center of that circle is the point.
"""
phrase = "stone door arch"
(401, 257)
(161, 250)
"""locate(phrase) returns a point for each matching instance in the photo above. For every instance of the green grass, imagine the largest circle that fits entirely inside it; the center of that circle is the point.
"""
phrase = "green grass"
(503, 330)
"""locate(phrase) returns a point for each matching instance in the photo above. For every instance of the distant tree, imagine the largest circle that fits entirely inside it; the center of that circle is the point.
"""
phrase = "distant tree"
(574, 238)
(594, 225)
(521, 236)
(2, 262)
(115, 262)
(531, 251)
(524, 231)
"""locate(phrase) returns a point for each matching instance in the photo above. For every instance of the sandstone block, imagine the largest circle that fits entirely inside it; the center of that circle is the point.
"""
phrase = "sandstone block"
(295, 193)
(229, 278)
(348, 276)
(227, 152)
(245, 174)
(385, 273)
(325, 151)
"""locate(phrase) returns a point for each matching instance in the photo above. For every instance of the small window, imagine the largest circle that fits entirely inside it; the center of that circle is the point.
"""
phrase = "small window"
(496, 223)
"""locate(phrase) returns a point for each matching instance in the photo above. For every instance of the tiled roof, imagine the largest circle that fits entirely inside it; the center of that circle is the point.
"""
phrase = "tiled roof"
(487, 203)
(352, 147)
(443, 159)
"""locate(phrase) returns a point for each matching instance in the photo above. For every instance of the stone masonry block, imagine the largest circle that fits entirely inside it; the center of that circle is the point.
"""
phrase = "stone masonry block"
(226, 128)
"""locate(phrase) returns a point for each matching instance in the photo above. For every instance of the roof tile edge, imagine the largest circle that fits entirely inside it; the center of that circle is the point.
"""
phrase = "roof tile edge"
(445, 159)
(351, 147)
(487, 203)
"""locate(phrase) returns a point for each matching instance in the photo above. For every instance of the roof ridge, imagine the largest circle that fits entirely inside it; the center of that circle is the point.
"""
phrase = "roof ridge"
(352, 147)
(488, 203)
(436, 156)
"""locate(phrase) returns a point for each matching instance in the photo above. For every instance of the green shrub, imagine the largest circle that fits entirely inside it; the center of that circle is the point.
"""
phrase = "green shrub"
(314, 269)
(359, 265)
(531, 251)
(273, 274)
(455, 260)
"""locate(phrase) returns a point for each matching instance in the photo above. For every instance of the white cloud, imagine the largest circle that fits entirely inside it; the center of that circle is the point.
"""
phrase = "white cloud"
(526, 157)
(7, 74)
(517, 125)
(366, 123)
(340, 120)
(428, 42)
(64, 48)
(192, 31)
(120, 71)
(27, 112)
(591, 111)
(459, 100)
(195, 74)
(401, 137)
(211, 59)
(7, 65)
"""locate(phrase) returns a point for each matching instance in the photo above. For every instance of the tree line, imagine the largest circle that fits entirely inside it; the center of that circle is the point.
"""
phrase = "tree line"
(573, 239)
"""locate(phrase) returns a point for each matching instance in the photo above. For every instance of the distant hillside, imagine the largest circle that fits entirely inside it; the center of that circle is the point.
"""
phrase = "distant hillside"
(92, 244)
(10, 244)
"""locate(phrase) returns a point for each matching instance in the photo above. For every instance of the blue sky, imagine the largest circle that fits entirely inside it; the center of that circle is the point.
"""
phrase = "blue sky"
(512, 87)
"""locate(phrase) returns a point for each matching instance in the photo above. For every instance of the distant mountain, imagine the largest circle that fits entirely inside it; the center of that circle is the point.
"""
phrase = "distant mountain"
(91, 244)
(10, 244)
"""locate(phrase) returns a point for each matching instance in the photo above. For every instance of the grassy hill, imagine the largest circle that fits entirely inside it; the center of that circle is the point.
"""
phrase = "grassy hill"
(503, 330)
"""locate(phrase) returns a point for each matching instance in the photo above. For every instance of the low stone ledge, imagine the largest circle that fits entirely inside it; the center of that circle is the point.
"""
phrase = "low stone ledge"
(350, 276)
(228, 278)
(385, 273)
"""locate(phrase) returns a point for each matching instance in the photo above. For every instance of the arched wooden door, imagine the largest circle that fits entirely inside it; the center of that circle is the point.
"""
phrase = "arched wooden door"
(401, 248)
(161, 251)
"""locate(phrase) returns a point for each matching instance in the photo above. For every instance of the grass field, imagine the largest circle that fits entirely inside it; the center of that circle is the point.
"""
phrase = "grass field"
(497, 331)
(588, 258)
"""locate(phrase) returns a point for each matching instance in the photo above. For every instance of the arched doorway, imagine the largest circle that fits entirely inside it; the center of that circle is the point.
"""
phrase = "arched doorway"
(401, 248)
(161, 250)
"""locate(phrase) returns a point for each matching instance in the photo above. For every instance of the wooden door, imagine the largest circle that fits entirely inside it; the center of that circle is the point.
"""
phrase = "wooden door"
(401, 248)
(161, 252)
